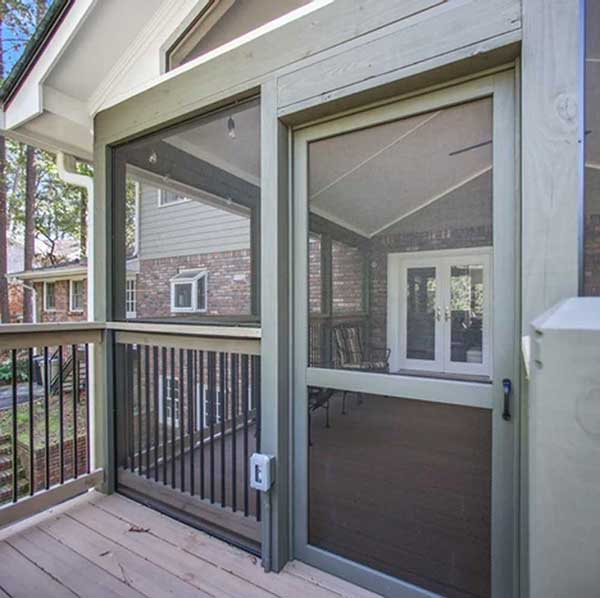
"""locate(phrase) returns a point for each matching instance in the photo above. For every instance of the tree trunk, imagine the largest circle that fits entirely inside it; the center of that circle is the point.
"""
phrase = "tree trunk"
(30, 185)
(83, 225)
(30, 181)
(4, 311)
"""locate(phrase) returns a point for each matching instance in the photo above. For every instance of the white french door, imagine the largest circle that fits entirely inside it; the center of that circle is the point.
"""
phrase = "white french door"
(439, 306)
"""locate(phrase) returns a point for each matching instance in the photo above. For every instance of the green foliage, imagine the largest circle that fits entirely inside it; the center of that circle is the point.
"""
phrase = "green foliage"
(58, 206)
(6, 371)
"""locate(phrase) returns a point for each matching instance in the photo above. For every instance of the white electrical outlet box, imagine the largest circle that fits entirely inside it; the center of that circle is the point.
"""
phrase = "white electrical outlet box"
(262, 471)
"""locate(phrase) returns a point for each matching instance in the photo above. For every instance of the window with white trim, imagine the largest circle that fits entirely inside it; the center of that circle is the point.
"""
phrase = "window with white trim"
(131, 298)
(170, 198)
(49, 296)
(76, 295)
(189, 291)
(173, 405)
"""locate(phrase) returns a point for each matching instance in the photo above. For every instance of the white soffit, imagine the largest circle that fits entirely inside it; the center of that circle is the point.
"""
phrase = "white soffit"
(103, 52)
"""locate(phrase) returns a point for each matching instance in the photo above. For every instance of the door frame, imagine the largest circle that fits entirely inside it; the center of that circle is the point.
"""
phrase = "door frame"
(501, 87)
(398, 264)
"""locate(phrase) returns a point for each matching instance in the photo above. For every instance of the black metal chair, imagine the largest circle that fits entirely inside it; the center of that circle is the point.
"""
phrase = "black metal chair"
(353, 354)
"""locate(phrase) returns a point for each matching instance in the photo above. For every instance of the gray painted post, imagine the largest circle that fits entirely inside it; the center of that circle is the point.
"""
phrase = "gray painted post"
(552, 150)
(275, 432)
(552, 186)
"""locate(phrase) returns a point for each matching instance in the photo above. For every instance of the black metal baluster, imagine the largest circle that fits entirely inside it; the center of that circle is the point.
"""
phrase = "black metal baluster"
(256, 405)
(172, 387)
(61, 414)
(75, 399)
(15, 491)
(129, 406)
(245, 390)
(47, 415)
(211, 419)
(31, 429)
(181, 419)
(147, 385)
(87, 408)
(164, 412)
(156, 408)
(138, 361)
(223, 385)
(191, 401)
(234, 406)
(202, 407)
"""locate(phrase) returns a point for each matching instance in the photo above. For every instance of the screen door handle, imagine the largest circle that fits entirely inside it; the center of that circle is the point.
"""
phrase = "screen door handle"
(507, 389)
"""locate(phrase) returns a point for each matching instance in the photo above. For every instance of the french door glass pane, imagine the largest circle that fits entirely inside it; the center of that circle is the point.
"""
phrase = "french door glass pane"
(466, 314)
(420, 313)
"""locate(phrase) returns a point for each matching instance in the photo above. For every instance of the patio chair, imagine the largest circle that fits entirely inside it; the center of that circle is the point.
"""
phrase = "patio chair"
(353, 354)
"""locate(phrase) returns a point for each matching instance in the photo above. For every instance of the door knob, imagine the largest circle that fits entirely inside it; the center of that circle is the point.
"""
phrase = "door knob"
(447, 313)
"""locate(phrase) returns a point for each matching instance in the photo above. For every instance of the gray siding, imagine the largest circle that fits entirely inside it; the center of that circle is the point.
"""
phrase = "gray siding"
(188, 228)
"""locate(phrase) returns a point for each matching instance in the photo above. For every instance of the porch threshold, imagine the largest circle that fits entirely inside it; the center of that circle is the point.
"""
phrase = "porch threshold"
(100, 545)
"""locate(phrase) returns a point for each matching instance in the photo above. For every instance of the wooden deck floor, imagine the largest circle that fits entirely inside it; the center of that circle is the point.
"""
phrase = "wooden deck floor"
(106, 546)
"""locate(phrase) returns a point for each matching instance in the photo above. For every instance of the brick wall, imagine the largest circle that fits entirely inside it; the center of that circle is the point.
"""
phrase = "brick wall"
(62, 313)
(39, 461)
(15, 302)
(228, 283)
(347, 277)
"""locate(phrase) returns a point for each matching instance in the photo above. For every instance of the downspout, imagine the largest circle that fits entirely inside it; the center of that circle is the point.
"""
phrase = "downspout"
(34, 308)
(67, 172)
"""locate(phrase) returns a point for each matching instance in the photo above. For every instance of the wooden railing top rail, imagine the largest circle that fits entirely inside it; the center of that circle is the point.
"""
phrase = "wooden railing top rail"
(198, 330)
(209, 337)
(22, 336)
(7, 329)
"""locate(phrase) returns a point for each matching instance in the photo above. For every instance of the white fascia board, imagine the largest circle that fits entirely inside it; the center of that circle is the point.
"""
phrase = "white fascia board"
(28, 103)
(68, 273)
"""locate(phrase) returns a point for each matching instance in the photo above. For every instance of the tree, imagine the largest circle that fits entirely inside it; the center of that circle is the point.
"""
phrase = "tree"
(30, 176)
(61, 209)
(16, 17)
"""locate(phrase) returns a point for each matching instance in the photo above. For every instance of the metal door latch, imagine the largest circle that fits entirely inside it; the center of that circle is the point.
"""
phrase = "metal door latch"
(507, 388)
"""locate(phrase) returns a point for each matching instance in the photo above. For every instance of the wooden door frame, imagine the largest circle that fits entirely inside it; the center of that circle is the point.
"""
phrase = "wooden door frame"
(505, 458)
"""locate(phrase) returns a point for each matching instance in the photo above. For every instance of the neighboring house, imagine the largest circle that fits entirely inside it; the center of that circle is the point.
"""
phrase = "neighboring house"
(351, 235)
(60, 292)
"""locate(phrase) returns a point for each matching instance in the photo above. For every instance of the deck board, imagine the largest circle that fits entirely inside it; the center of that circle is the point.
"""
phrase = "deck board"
(20, 578)
(90, 549)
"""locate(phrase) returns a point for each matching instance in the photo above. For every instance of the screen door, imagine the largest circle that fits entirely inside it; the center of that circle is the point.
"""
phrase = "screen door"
(405, 266)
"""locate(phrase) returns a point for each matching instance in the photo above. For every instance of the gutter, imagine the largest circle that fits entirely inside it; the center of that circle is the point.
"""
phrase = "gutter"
(67, 172)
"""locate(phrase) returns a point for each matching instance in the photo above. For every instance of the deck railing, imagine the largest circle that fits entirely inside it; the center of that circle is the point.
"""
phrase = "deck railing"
(45, 415)
(188, 412)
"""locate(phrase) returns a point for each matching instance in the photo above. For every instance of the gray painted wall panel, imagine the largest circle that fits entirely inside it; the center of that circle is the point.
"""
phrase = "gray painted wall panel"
(187, 228)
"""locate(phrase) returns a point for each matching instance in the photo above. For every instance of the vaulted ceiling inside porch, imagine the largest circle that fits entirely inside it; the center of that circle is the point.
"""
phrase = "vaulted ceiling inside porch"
(372, 179)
